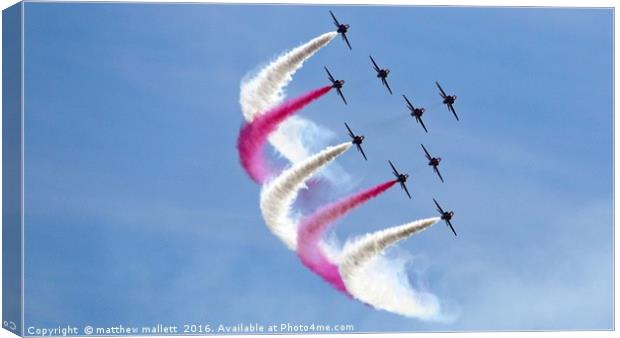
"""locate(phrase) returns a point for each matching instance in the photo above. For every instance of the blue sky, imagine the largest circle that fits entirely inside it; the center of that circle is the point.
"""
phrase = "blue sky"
(137, 211)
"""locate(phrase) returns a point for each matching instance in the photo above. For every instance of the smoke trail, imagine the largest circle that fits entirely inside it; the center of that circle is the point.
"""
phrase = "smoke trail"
(253, 135)
(266, 89)
(313, 227)
(375, 280)
(278, 195)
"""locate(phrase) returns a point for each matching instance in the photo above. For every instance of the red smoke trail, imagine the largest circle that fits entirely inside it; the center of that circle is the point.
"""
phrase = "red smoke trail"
(253, 135)
(312, 228)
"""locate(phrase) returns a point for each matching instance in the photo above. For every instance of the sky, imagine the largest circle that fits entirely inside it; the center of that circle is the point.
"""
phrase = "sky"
(138, 212)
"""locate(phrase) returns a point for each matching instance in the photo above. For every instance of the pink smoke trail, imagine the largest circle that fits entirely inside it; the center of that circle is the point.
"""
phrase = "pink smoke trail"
(313, 227)
(253, 135)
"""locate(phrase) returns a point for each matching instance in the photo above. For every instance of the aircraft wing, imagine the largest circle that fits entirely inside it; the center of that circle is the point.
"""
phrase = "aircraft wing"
(438, 207)
(341, 95)
(359, 147)
(451, 227)
(393, 169)
(428, 156)
(374, 64)
(344, 36)
(335, 20)
(451, 108)
(438, 173)
(409, 105)
(402, 185)
(331, 78)
(443, 94)
(349, 129)
(422, 123)
(387, 85)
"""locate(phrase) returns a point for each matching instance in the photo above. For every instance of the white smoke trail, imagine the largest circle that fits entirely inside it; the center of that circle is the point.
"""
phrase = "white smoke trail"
(277, 196)
(266, 89)
(374, 279)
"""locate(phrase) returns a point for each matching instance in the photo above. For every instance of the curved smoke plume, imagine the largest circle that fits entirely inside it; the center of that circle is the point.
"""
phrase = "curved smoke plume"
(373, 279)
(266, 89)
(313, 227)
(253, 135)
(277, 196)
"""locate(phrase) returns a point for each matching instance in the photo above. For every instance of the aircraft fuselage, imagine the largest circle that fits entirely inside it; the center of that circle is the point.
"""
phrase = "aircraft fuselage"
(417, 112)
